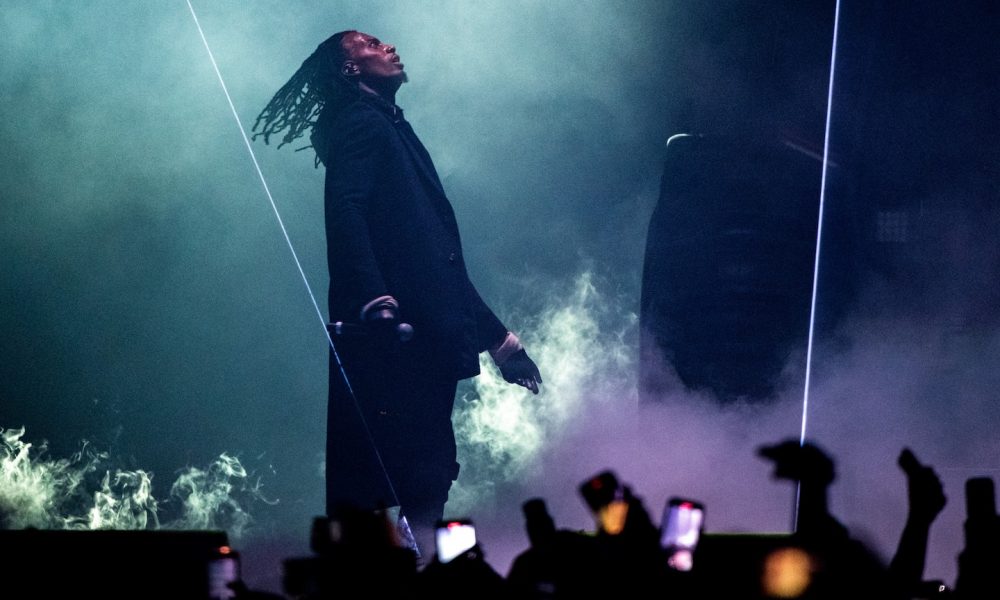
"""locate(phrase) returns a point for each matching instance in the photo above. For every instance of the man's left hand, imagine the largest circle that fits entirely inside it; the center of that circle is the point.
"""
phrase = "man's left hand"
(520, 369)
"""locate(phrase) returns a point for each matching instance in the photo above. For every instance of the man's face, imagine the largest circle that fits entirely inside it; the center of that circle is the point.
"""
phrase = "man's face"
(376, 62)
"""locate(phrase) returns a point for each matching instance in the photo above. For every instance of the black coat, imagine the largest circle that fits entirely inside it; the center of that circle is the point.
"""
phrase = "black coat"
(391, 231)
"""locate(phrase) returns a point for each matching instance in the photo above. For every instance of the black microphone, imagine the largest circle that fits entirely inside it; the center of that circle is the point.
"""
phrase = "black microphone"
(404, 331)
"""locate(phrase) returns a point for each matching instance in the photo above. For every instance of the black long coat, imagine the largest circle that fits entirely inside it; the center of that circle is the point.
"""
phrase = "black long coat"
(391, 231)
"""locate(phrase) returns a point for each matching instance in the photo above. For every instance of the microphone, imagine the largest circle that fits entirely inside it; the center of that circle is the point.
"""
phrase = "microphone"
(403, 331)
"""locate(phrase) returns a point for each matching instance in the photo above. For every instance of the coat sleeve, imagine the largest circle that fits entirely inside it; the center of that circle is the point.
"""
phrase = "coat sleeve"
(491, 330)
(351, 180)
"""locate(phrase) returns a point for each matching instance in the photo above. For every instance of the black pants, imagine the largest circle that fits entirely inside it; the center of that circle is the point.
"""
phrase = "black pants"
(407, 408)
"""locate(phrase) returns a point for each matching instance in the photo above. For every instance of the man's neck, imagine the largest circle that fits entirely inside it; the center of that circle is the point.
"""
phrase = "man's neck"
(387, 92)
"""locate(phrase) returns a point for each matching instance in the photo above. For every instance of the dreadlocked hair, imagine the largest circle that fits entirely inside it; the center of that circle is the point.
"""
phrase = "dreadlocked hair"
(316, 86)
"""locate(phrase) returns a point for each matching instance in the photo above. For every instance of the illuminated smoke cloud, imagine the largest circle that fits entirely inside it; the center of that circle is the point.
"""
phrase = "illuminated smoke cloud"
(47, 493)
(128, 504)
(33, 490)
(513, 445)
(207, 497)
(502, 428)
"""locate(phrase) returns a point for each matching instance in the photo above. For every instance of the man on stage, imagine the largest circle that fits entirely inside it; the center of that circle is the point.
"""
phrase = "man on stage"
(394, 256)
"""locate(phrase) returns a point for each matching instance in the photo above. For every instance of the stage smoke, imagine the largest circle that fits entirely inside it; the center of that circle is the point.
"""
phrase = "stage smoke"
(33, 489)
(126, 504)
(579, 343)
(59, 493)
(213, 498)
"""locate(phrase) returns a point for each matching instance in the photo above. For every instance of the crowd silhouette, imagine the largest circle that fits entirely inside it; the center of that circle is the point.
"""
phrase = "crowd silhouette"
(360, 553)
(363, 552)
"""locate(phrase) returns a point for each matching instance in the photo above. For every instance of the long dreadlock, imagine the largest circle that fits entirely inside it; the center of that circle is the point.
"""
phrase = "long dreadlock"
(316, 86)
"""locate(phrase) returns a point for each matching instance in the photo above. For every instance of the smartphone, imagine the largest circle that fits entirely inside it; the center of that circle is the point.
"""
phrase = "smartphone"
(600, 490)
(680, 530)
(454, 538)
(980, 499)
(608, 499)
(223, 569)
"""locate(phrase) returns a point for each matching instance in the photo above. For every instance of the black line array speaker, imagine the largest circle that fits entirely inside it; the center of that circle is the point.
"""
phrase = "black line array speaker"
(107, 564)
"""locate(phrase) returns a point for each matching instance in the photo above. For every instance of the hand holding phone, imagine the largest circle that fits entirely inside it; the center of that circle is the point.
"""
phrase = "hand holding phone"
(608, 499)
(454, 538)
(680, 530)
(223, 570)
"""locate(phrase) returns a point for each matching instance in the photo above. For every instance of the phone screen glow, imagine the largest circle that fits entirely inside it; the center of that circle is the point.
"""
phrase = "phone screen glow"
(682, 526)
(453, 539)
(221, 572)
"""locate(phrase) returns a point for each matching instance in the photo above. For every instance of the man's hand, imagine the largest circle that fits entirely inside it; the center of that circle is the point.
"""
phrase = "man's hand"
(381, 317)
(520, 369)
(514, 364)
(800, 462)
(925, 491)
